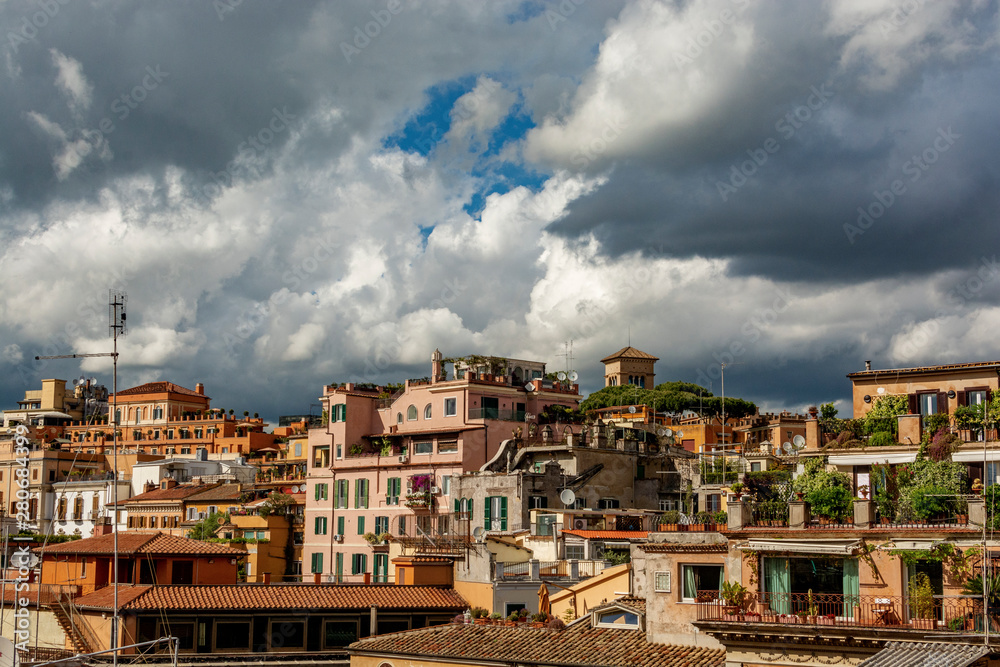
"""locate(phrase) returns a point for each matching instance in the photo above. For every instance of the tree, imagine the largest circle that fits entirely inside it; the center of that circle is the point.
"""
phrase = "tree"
(276, 503)
(207, 527)
(673, 396)
(828, 411)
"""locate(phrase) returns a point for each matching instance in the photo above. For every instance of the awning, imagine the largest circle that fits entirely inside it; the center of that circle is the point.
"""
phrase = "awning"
(973, 456)
(837, 547)
(872, 459)
(921, 654)
(51, 413)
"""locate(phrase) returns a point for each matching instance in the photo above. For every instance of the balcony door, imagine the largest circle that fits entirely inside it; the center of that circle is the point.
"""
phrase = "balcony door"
(833, 583)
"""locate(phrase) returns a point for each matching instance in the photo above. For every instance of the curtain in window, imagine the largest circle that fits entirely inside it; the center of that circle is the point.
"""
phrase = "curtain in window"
(778, 585)
(852, 587)
(690, 584)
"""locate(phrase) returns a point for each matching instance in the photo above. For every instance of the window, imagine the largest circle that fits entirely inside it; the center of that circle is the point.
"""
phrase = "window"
(399, 417)
(425, 447)
(446, 485)
(411, 413)
(320, 525)
(448, 447)
(321, 491)
(359, 563)
(661, 582)
(361, 494)
(618, 618)
(338, 634)
(77, 508)
(198, 432)
(699, 578)
(338, 561)
(340, 451)
(361, 525)
(338, 412)
(321, 457)
(667, 504)
(428, 411)
(495, 513)
(545, 524)
(170, 434)
(392, 490)
(298, 448)
(340, 500)
(340, 526)
(317, 562)
(713, 502)
(574, 552)
(381, 525)
(450, 407)
(537, 502)
(607, 504)
(232, 635)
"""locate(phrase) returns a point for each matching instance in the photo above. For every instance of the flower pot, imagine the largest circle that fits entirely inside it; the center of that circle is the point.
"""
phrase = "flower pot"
(811, 620)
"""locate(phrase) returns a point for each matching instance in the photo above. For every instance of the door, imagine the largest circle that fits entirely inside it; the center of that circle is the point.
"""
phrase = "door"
(491, 407)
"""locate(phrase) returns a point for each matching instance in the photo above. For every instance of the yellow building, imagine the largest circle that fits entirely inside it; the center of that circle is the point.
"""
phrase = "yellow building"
(629, 366)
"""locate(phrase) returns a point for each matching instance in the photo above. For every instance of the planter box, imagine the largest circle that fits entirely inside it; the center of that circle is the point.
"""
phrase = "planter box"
(822, 620)
(923, 623)
(769, 618)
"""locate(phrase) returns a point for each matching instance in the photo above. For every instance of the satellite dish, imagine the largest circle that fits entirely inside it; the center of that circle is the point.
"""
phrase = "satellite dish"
(668, 431)
(661, 432)
(788, 448)
(478, 533)
(631, 409)
(574, 376)
(880, 390)
(680, 434)
(530, 386)
(799, 442)
(561, 376)
(567, 496)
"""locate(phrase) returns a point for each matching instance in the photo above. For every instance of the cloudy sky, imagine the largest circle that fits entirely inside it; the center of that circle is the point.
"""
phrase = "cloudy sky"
(297, 193)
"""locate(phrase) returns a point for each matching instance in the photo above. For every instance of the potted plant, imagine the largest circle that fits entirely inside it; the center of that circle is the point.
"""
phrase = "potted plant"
(495, 618)
(721, 518)
(670, 521)
(539, 620)
(735, 597)
(513, 618)
(921, 602)
(863, 490)
(736, 490)
(812, 610)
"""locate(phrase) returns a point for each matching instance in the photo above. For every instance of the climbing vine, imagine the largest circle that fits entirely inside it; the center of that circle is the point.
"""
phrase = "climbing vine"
(866, 555)
(752, 559)
(959, 562)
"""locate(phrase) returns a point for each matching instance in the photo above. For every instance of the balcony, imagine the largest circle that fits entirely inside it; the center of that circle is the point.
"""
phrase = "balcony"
(749, 515)
(875, 612)
(536, 570)
(497, 414)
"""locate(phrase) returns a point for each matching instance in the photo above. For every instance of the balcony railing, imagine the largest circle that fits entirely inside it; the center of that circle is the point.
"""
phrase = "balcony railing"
(768, 513)
(957, 613)
(497, 414)
(533, 570)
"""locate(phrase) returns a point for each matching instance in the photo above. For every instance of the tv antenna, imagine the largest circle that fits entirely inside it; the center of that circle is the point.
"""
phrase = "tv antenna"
(567, 355)
(116, 327)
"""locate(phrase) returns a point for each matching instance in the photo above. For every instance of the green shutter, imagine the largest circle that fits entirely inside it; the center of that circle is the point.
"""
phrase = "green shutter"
(317, 492)
(852, 589)
(361, 525)
(503, 512)
(357, 493)
(340, 525)
(487, 513)
(457, 506)
(339, 560)
(365, 492)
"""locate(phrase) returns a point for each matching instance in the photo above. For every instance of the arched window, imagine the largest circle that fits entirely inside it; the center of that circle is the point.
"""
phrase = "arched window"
(411, 413)
(427, 411)
(399, 417)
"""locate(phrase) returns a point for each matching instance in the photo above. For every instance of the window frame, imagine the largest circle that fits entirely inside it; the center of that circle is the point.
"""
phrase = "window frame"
(453, 402)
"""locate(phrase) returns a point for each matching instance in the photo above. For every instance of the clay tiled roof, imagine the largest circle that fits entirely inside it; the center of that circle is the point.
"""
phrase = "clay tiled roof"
(673, 548)
(105, 597)
(927, 369)
(159, 388)
(131, 543)
(250, 597)
(926, 654)
(629, 352)
(601, 647)
(637, 605)
(179, 492)
(219, 492)
(609, 534)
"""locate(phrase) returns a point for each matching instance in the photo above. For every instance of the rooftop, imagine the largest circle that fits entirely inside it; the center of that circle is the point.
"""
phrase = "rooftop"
(609, 534)
(253, 597)
(581, 645)
(130, 543)
(629, 352)
(973, 365)
(159, 388)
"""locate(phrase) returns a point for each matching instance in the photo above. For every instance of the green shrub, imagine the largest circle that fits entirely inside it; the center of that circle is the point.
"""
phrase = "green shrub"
(882, 439)
(670, 517)
(832, 502)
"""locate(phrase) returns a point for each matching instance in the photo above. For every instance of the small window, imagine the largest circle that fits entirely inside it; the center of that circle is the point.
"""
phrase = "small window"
(538, 502)
(450, 407)
(607, 504)
(423, 447)
(411, 413)
(428, 411)
(661, 582)
(399, 417)
(574, 552)
(618, 618)
(699, 578)
(448, 447)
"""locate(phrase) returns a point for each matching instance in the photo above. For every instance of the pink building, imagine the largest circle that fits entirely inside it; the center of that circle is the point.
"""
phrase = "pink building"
(382, 463)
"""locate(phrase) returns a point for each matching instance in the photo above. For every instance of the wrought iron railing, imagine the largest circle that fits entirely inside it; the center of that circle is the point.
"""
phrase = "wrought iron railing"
(954, 613)
(498, 414)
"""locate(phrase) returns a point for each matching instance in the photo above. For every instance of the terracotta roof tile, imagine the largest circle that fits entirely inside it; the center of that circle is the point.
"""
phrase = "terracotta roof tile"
(105, 597)
(253, 597)
(926, 654)
(159, 388)
(219, 492)
(673, 548)
(179, 492)
(634, 603)
(130, 543)
(609, 534)
(584, 645)
(629, 352)
(926, 369)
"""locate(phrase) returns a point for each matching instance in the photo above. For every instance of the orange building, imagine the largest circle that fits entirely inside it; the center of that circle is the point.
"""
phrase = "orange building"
(143, 557)
(166, 419)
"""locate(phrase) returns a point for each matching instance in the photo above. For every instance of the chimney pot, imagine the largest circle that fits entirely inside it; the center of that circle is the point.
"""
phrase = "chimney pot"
(868, 364)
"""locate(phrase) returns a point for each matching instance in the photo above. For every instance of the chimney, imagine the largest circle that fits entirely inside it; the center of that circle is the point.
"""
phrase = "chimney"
(149, 486)
(868, 364)
(437, 366)
(200, 388)
(168, 483)
(317, 578)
